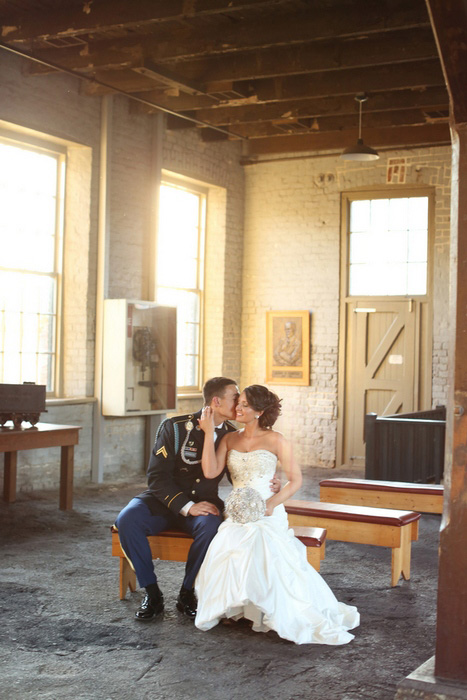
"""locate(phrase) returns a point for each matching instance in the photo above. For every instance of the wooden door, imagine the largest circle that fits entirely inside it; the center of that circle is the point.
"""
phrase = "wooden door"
(381, 366)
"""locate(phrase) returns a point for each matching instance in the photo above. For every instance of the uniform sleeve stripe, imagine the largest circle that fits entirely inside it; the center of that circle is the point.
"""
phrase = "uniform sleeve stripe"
(173, 499)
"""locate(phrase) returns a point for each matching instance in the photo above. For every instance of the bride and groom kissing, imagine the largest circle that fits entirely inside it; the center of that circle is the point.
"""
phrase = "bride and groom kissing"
(249, 565)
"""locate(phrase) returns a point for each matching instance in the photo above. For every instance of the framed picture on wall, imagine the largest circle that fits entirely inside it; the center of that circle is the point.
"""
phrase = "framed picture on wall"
(288, 347)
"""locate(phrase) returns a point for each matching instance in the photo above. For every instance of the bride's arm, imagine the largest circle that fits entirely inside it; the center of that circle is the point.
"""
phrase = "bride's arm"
(292, 471)
(212, 460)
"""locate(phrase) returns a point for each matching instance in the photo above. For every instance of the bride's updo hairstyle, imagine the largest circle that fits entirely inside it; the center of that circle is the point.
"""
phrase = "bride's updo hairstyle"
(261, 399)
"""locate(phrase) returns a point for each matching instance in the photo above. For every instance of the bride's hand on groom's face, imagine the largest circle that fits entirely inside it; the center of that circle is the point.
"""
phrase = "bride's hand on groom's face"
(206, 422)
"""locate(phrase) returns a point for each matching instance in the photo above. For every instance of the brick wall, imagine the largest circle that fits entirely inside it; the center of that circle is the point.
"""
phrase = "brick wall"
(54, 105)
(289, 258)
(291, 262)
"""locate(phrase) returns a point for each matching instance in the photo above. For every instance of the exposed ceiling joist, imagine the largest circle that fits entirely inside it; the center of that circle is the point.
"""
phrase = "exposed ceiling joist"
(115, 15)
(450, 21)
(279, 73)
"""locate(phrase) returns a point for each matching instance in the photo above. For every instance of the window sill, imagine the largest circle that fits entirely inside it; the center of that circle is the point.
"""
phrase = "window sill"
(69, 401)
(197, 395)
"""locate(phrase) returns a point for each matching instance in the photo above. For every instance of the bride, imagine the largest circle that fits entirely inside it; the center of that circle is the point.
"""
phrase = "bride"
(255, 568)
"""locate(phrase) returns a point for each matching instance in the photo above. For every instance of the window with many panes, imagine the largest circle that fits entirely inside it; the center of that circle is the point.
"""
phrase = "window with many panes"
(180, 272)
(31, 206)
(388, 253)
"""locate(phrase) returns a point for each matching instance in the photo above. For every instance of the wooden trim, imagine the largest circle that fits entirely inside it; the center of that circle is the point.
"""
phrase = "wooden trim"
(423, 304)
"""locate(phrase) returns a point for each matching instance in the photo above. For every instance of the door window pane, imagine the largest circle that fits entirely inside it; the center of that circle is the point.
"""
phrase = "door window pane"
(388, 248)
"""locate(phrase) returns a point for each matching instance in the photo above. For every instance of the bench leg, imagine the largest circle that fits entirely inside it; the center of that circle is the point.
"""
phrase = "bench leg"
(322, 551)
(313, 555)
(127, 577)
(400, 563)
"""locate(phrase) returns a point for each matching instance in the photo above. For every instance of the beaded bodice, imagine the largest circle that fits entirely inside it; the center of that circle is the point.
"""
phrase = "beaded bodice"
(254, 469)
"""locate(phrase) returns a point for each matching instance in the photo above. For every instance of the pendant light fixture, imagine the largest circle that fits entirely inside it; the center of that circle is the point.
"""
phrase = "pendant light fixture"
(360, 151)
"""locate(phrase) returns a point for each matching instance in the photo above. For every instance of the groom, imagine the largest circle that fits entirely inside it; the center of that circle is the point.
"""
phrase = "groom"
(180, 496)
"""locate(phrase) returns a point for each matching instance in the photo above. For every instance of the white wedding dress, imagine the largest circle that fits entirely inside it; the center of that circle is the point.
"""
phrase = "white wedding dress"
(259, 570)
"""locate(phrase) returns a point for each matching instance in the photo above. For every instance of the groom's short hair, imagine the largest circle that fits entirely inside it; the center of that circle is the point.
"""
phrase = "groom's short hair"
(216, 387)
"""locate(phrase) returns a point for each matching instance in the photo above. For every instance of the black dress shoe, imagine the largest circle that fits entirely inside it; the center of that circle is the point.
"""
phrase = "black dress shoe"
(187, 603)
(149, 608)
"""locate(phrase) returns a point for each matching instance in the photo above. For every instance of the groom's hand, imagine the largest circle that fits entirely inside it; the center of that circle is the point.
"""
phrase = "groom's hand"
(203, 508)
(275, 484)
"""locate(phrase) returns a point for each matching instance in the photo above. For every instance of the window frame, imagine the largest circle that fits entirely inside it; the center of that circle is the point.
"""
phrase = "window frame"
(194, 187)
(388, 192)
(381, 192)
(58, 151)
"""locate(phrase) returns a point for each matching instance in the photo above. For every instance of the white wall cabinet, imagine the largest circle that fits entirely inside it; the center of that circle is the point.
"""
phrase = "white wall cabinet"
(140, 351)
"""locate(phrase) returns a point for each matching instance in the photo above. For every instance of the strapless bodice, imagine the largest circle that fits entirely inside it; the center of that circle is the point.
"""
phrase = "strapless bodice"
(254, 469)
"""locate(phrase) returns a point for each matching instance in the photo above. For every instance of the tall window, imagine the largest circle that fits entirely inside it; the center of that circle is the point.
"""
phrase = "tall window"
(31, 194)
(388, 246)
(180, 273)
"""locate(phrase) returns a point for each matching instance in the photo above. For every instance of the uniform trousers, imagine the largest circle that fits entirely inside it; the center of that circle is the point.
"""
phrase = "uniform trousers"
(135, 522)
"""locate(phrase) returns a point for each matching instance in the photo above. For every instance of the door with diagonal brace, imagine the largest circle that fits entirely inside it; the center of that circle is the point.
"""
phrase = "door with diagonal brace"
(382, 360)
(386, 316)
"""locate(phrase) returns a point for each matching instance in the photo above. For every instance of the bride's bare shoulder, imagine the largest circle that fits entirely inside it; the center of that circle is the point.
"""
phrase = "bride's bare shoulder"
(232, 438)
(273, 439)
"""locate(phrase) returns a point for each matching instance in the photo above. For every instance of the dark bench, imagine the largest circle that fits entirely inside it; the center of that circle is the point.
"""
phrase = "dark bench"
(378, 526)
(406, 447)
(173, 545)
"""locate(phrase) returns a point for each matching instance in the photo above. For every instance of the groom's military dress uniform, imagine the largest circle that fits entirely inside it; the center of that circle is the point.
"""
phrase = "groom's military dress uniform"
(175, 479)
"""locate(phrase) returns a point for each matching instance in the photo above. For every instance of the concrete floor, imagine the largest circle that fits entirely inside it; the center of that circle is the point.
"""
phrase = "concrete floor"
(64, 633)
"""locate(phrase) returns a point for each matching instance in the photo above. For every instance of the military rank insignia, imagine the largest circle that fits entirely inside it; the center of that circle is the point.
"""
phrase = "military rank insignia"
(162, 451)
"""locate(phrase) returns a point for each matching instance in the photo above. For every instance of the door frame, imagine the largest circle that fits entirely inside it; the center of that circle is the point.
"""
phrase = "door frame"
(423, 376)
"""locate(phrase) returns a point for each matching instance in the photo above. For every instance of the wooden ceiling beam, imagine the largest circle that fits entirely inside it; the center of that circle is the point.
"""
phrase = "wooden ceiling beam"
(86, 59)
(185, 102)
(275, 61)
(312, 57)
(114, 15)
(382, 119)
(332, 92)
(163, 75)
(125, 80)
(186, 43)
(324, 106)
(360, 19)
(346, 82)
(403, 137)
(376, 120)
(449, 21)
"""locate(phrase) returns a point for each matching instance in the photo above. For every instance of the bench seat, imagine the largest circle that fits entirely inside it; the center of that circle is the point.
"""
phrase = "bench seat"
(423, 498)
(173, 545)
(364, 525)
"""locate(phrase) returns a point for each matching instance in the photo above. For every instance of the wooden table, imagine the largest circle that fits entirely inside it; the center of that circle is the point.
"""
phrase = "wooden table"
(40, 436)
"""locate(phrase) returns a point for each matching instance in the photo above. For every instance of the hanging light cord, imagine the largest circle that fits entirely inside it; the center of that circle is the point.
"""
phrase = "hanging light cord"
(360, 119)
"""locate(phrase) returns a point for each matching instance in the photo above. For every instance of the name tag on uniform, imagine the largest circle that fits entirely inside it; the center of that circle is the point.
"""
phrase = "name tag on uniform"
(191, 451)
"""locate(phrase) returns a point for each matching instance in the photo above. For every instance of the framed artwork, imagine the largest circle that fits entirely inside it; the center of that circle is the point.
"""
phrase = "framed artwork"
(288, 347)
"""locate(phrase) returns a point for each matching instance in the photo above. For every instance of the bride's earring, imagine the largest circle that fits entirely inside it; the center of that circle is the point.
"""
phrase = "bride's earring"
(256, 417)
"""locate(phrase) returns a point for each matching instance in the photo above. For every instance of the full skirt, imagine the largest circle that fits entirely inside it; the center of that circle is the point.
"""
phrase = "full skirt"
(259, 571)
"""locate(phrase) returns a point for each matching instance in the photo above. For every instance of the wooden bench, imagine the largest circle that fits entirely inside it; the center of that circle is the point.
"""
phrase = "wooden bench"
(423, 498)
(173, 545)
(378, 526)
